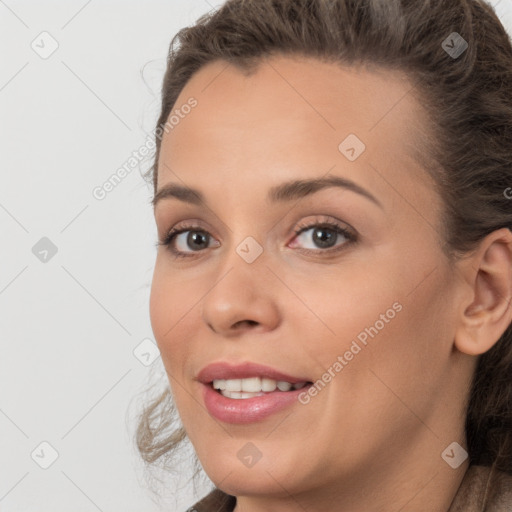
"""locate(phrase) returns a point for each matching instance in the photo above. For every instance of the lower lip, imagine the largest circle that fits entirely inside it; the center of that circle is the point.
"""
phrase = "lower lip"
(248, 410)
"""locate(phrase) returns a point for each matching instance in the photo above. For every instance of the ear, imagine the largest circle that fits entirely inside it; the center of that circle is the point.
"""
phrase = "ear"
(487, 310)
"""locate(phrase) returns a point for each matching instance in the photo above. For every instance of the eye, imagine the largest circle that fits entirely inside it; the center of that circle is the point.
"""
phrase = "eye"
(196, 238)
(324, 234)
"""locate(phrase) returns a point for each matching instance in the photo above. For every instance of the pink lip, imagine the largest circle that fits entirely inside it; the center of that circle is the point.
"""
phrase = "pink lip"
(223, 370)
(247, 410)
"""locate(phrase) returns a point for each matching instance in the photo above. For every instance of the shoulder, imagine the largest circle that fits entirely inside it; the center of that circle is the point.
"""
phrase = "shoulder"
(215, 501)
(483, 488)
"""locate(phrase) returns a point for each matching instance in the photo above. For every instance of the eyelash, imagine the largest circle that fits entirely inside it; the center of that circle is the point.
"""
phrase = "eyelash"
(337, 228)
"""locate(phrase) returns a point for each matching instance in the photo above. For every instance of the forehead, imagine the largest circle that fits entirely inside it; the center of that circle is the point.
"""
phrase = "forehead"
(288, 119)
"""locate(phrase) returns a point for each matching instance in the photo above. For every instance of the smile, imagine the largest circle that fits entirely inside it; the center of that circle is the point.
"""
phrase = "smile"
(253, 386)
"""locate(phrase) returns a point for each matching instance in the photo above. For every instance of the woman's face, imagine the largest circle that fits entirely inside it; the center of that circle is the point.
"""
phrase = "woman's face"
(367, 315)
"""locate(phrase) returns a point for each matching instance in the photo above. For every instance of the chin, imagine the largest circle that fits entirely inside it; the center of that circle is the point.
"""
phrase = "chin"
(254, 484)
(235, 479)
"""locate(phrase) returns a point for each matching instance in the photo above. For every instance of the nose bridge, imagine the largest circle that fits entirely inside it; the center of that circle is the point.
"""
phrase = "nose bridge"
(247, 239)
(241, 292)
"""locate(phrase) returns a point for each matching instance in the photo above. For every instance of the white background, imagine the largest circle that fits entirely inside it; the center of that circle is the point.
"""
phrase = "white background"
(69, 325)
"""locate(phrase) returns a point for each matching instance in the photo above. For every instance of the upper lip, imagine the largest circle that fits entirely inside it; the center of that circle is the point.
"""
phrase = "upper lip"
(225, 370)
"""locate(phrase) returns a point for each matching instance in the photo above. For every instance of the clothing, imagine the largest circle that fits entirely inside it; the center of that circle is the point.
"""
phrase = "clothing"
(473, 494)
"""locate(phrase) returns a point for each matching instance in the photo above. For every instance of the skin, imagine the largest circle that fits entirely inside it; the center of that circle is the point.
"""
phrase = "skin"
(372, 439)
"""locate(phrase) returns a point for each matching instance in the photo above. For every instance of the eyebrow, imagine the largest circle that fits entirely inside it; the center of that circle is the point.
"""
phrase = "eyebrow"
(284, 192)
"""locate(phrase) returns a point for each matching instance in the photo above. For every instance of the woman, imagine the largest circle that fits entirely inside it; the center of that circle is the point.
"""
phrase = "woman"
(331, 296)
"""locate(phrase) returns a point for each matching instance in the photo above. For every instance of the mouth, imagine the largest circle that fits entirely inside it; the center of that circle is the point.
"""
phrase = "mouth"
(248, 392)
(254, 386)
(247, 371)
(245, 407)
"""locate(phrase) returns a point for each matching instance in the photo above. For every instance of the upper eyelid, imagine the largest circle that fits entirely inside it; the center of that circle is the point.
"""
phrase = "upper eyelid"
(299, 227)
(307, 224)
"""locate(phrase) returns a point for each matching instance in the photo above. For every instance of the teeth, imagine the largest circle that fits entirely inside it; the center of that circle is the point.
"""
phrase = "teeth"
(253, 386)
(268, 385)
(240, 394)
(284, 386)
(219, 384)
(233, 385)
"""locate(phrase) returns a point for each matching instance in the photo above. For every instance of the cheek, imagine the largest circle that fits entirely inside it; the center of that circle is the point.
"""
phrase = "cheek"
(174, 305)
(168, 305)
(344, 307)
(168, 309)
(408, 357)
(160, 302)
(389, 318)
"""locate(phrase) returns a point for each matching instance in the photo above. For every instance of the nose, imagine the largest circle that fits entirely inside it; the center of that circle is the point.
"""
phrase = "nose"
(244, 297)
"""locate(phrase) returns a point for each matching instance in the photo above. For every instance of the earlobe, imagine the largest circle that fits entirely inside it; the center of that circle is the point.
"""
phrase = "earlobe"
(489, 273)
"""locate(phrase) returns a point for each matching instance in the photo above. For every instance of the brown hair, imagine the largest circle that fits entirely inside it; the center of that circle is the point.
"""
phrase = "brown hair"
(469, 105)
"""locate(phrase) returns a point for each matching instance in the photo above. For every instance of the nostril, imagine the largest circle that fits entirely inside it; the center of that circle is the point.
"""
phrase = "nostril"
(247, 322)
